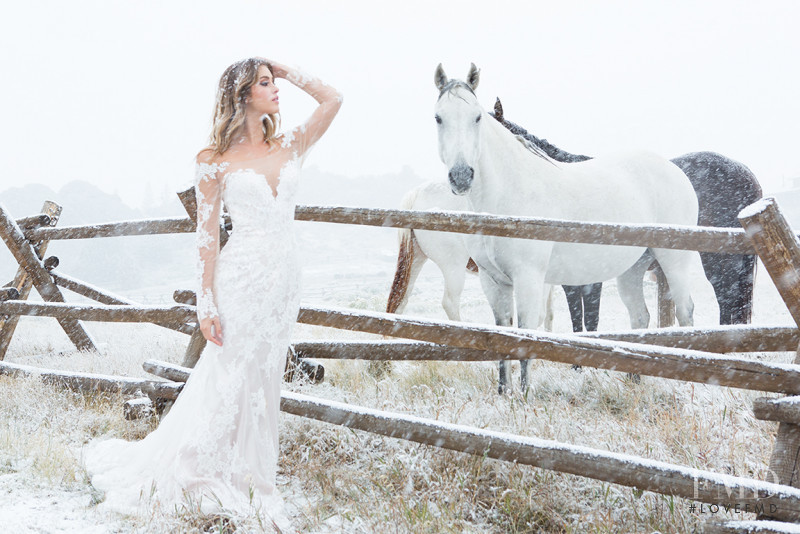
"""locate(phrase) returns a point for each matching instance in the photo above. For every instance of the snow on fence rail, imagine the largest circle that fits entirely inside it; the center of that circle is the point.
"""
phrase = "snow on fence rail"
(700, 238)
(494, 342)
(723, 339)
(95, 382)
(767, 498)
(775, 500)
(766, 233)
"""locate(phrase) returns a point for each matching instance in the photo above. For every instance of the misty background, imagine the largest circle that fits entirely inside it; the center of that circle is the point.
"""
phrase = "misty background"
(105, 103)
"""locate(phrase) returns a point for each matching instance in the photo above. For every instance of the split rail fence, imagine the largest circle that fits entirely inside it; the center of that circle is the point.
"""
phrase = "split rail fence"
(678, 353)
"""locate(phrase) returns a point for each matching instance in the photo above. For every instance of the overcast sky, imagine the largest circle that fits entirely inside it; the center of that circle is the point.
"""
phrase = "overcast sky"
(120, 93)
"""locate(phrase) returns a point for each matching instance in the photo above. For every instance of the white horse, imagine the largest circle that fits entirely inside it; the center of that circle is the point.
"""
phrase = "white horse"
(498, 173)
(448, 250)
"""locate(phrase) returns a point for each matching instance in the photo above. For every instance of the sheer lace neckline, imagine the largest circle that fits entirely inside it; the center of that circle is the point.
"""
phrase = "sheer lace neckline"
(275, 189)
(248, 170)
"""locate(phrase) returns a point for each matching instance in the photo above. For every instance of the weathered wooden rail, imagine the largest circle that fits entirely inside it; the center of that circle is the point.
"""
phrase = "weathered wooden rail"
(721, 340)
(671, 354)
(769, 498)
(756, 496)
(95, 382)
(501, 343)
(703, 239)
(774, 499)
(32, 272)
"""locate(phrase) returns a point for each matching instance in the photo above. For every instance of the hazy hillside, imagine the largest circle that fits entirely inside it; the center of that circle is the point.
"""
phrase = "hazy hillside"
(154, 265)
(115, 263)
(384, 191)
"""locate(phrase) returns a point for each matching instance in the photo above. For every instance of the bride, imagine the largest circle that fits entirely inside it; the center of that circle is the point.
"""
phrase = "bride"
(218, 446)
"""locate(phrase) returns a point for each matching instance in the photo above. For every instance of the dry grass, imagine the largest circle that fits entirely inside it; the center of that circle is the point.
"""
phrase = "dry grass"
(376, 481)
(339, 480)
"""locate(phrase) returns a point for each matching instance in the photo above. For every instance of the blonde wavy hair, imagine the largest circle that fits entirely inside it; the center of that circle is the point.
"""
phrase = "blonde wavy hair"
(229, 110)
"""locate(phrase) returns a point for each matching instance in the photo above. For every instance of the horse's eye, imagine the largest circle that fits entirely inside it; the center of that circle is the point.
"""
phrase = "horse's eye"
(478, 119)
(438, 119)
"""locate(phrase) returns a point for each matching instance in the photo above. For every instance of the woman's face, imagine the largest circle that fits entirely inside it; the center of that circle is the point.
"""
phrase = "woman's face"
(263, 94)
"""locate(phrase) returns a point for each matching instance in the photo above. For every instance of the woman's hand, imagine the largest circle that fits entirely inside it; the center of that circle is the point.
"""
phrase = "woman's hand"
(212, 329)
(279, 70)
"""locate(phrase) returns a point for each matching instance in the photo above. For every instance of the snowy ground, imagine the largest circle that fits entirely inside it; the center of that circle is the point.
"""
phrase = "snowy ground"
(354, 268)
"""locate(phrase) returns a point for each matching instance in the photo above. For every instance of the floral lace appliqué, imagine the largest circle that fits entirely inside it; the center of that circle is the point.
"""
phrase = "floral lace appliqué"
(208, 196)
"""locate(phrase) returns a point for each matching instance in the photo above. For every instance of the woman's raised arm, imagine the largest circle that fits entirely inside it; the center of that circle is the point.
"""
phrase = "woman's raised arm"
(304, 136)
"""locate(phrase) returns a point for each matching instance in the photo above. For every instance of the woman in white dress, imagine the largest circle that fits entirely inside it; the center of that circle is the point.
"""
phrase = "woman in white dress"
(218, 446)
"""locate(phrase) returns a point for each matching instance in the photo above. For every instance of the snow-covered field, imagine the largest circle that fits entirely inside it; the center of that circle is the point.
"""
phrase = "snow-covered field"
(337, 480)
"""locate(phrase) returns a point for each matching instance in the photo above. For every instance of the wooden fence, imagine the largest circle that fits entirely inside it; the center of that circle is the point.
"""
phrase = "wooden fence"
(683, 354)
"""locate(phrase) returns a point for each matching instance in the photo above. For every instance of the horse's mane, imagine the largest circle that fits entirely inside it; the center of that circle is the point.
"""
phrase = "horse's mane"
(533, 143)
(531, 147)
(453, 84)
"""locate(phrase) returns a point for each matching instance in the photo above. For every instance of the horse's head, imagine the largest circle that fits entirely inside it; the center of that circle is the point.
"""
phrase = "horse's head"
(458, 117)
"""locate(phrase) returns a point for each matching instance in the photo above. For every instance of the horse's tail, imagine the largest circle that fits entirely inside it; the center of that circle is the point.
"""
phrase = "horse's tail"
(409, 252)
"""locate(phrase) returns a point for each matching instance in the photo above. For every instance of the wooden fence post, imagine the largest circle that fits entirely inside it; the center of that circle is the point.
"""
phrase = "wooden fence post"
(22, 281)
(8, 293)
(32, 273)
(196, 342)
(779, 250)
(189, 200)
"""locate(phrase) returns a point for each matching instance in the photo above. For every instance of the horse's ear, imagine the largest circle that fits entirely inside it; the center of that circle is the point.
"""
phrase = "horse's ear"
(473, 77)
(440, 78)
(498, 110)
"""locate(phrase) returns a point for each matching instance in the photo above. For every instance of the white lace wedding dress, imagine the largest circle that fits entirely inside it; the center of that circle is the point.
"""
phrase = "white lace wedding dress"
(218, 446)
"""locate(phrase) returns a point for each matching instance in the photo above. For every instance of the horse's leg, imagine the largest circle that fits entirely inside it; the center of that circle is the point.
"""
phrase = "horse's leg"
(454, 277)
(547, 324)
(630, 287)
(590, 295)
(719, 269)
(677, 267)
(742, 308)
(450, 254)
(578, 308)
(631, 290)
(575, 303)
(529, 291)
(732, 276)
(501, 298)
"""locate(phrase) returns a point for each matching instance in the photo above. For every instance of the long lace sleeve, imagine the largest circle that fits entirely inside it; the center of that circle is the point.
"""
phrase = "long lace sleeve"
(303, 137)
(207, 190)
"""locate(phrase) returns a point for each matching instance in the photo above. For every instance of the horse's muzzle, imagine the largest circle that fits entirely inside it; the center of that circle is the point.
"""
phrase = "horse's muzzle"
(461, 177)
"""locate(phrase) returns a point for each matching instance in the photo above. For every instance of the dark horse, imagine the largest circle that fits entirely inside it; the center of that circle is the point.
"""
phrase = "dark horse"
(723, 187)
